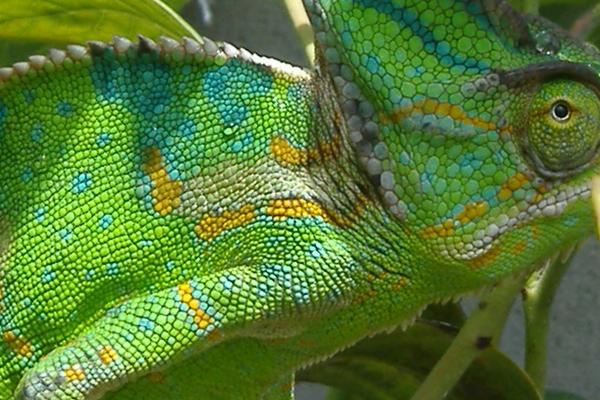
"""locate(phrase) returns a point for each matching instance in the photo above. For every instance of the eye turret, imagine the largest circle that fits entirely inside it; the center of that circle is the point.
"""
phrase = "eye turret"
(563, 128)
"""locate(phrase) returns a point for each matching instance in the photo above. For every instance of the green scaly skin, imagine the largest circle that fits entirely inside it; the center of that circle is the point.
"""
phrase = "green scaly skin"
(188, 221)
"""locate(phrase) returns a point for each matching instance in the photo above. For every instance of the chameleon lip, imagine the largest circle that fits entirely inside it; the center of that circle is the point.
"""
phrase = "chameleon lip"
(541, 265)
(551, 206)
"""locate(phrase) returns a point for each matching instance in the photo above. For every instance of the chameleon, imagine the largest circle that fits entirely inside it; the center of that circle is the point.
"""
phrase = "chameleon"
(184, 219)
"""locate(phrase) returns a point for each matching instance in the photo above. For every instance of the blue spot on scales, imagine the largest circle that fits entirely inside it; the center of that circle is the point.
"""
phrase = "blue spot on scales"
(243, 143)
(105, 221)
(143, 88)
(28, 96)
(65, 234)
(103, 139)
(48, 275)
(39, 214)
(112, 268)
(36, 132)
(81, 182)
(64, 109)
(372, 64)
(26, 174)
(3, 113)
(170, 266)
(146, 325)
(408, 18)
(187, 128)
(230, 87)
(316, 250)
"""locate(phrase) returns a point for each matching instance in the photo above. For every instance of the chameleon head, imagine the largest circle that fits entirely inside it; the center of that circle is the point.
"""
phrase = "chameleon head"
(479, 126)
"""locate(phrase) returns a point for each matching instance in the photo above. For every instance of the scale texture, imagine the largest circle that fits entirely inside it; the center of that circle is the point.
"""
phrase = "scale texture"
(183, 220)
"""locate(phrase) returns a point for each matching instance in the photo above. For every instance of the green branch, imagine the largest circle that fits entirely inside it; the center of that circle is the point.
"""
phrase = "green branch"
(587, 23)
(538, 296)
(302, 27)
(482, 330)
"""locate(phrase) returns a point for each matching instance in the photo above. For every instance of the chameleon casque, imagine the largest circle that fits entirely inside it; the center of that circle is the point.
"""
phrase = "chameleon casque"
(184, 220)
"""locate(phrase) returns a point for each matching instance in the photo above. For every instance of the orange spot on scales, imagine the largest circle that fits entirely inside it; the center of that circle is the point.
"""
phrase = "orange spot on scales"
(513, 183)
(400, 283)
(18, 344)
(281, 209)
(107, 355)
(485, 259)
(209, 226)
(286, 154)
(434, 107)
(446, 228)
(201, 319)
(74, 373)
(518, 247)
(165, 192)
(472, 211)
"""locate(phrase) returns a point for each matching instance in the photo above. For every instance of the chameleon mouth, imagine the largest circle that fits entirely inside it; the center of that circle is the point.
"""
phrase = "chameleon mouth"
(536, 268)
(551, 206)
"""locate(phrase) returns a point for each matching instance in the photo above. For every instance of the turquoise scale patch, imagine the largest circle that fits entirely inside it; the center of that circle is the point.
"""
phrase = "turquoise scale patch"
(81, 182)
(26, 174)
(112, 268)
(105, 221)
(103, 139)
(36, 132)
(64, 109)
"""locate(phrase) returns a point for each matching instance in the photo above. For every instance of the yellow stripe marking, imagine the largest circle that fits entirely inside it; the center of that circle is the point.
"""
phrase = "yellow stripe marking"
(166, 193)
(18, 344)
(209, 227)
(446, 228)
(512, 184)
(434, 107)
(201, 319)
(281, 209)
(286, 154)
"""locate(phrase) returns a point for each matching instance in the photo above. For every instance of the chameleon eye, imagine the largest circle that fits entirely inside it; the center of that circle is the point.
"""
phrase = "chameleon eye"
(563, 128)
(561, 111)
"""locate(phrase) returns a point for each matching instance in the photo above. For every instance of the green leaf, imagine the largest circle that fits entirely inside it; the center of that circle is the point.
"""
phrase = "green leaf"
(55, 23)
(393, 366)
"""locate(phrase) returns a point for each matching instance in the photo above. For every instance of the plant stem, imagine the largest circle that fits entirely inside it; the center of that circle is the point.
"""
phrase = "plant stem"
(585, 24)
(303, 29)
(532, 7)
(596, 198)
(538, 295)
(481, 330)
